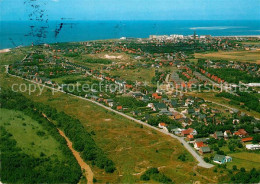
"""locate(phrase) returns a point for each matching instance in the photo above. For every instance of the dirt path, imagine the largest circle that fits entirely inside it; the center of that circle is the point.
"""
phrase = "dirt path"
(85, 167)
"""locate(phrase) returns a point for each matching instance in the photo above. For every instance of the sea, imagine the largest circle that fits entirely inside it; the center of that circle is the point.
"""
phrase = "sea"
(24, 33)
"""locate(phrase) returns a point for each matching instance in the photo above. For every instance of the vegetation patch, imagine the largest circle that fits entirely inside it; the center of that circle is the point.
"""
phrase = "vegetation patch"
(154, 174)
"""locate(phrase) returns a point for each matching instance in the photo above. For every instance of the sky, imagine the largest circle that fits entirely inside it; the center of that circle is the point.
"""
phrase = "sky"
(135, 9)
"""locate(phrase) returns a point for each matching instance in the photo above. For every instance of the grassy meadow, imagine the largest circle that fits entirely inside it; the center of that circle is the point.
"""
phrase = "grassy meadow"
(242, 56)
(29, 134)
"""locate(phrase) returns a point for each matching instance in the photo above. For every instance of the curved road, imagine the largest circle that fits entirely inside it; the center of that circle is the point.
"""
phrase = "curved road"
(201, 163)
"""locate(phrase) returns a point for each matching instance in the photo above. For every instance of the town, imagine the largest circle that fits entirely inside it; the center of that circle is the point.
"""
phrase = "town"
(160, 78)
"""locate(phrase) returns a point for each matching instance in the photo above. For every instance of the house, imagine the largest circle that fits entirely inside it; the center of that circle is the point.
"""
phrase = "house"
(165, 112)
(253, 146)
(201, 140)
(176, 115)
(218, 135)
(189, 131)
(119, 107)
(109, 102)
(156, 96)
(241, 133)
(227, 134)
(159, 107)
(176, 131)
(248, 139)
(204, 150)
(190, 137)
(222, 159)
(198, 145)
(163, 126)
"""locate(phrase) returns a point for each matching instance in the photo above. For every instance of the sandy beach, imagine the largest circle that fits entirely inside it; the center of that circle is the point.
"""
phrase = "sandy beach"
(5, 50)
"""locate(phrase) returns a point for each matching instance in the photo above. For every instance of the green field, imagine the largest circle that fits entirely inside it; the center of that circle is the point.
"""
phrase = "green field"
(29, 134)
(248, 160)
(140, 74)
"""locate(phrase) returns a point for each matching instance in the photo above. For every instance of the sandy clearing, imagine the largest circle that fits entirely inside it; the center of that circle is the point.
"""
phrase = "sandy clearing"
(85, 167)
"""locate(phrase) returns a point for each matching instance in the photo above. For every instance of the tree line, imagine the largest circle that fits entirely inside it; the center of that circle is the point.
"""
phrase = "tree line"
(74, 130)
(18, 167)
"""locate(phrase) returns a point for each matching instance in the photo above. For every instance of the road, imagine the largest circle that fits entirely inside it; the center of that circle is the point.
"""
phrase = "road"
(201, 163)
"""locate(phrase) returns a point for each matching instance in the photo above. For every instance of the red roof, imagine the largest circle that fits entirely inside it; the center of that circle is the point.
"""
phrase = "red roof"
(119, 107)
(163, 124)
(200, 144)
(190, 136)
(154, 94)
(188, 131)
(240, 132)
(247, 139)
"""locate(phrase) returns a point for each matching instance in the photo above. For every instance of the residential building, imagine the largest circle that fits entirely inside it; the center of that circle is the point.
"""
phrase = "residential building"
(247, 139)
(241, 133)
(198, 145)
(218, 135)
(204, 150)
(222, 159)
(253, 146)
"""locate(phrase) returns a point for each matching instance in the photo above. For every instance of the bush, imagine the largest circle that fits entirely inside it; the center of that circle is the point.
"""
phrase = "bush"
(154, 174)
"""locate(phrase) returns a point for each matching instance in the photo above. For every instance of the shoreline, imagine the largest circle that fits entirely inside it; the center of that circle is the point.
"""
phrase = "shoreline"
(4, 50)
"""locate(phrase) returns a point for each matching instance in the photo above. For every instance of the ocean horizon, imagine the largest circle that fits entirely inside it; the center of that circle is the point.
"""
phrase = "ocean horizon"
(24, 33)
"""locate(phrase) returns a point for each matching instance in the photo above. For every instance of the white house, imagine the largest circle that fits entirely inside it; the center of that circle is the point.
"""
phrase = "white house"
(163, 126)
(252, 146)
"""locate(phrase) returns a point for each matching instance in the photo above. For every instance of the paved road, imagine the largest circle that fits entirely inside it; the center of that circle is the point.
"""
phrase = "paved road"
(201, 163)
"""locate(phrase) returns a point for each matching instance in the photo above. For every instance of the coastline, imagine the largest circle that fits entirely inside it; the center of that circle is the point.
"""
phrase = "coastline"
(4, 50)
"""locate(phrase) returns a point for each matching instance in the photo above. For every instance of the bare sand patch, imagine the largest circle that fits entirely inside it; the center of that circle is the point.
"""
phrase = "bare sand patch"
(5, 50)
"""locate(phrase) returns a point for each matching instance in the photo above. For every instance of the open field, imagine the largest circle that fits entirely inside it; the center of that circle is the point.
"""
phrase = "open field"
(29, 134)
(243, 56)
(141, 74)
(132, 148)
(11, 57)
(249, 43)
(245, 159)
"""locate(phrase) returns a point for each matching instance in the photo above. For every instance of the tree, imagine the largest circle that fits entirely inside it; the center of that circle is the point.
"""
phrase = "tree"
(234, 167)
